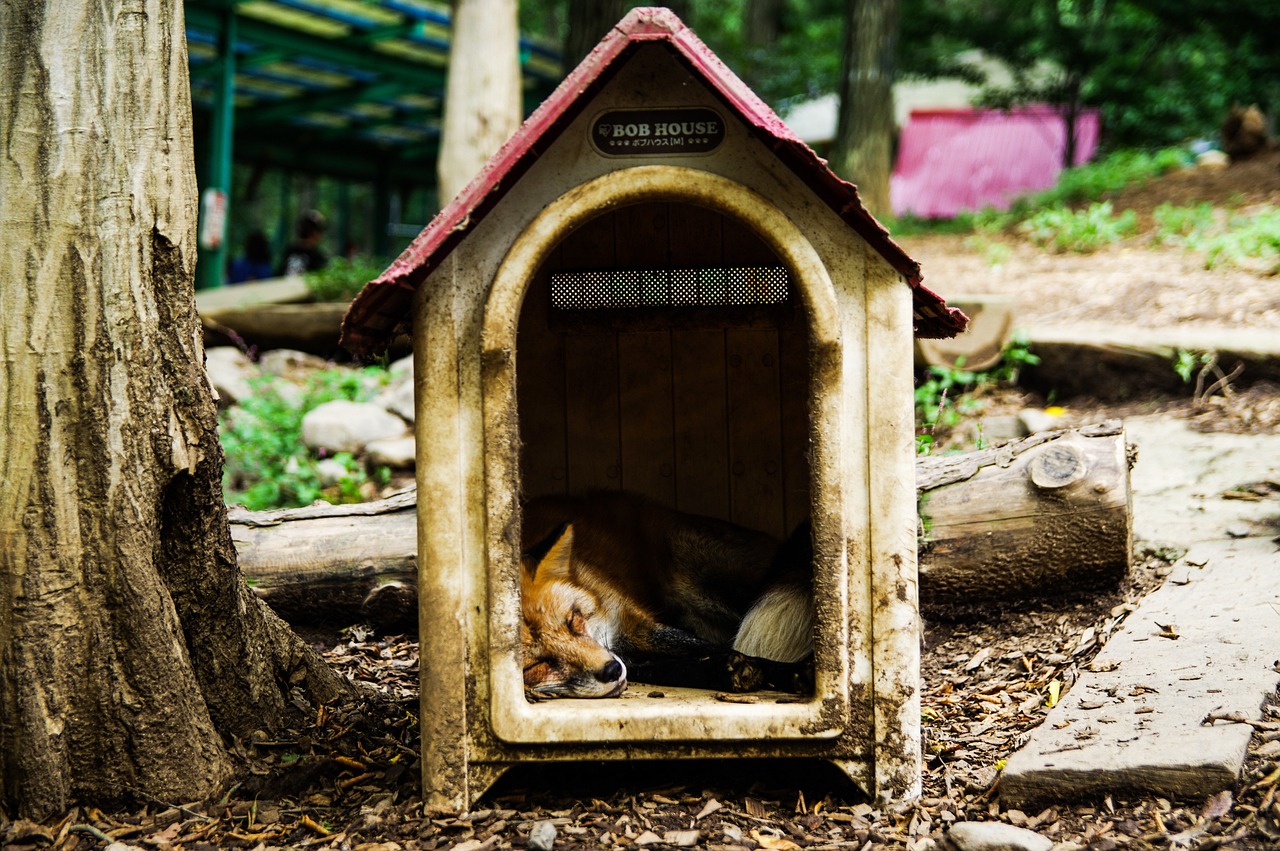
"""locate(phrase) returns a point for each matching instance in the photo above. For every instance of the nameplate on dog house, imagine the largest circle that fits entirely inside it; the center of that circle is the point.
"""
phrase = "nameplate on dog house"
(658, 132)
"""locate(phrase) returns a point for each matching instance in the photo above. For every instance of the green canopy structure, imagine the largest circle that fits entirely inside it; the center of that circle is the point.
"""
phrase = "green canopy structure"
(346, 89)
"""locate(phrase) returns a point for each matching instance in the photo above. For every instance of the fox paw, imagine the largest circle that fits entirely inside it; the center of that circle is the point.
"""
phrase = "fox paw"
(745, 674)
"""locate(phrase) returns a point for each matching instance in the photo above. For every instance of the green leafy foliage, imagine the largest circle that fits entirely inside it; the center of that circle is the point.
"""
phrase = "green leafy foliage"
(1181, 225)
(267, 465)
(944, 395)
(1232, 238)
(341, 278)
(1186, 363)
(1082, 231)
(1247, 236)
(1106, 176)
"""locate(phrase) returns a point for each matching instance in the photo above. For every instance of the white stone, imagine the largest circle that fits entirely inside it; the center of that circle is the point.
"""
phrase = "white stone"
(398, 452)
(290, 363)
(230, 372)
(995, 836)
(1213, 159)
(543, 836)
(342, 426)
(1034, 420)
(398, 397)
(330, 471)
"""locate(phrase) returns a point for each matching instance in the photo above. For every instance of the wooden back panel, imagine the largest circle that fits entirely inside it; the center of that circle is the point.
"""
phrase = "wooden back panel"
(702, 409)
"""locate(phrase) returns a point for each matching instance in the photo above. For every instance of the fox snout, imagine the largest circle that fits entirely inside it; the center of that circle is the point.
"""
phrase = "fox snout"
(557, 678)
(559, 636)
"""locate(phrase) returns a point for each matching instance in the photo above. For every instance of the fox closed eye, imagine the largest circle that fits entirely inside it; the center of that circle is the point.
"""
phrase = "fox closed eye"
(577, 622)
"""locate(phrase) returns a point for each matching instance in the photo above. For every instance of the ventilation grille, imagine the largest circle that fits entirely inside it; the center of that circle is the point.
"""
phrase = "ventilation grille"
(733, 286)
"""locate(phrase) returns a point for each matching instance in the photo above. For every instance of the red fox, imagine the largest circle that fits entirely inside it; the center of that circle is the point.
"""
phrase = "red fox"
(615, 586)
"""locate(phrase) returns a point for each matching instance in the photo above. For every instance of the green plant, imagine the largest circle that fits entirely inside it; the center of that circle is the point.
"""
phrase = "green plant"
(1247, 236)
(1181, 225)
(341, 278)
(1083, 231)
(945, 394)
(1239, 239)
(267, 465)
(1186, 363)
(1094, 181)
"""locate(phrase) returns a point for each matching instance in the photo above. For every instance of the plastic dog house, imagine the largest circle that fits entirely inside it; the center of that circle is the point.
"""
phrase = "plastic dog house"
(655, 286)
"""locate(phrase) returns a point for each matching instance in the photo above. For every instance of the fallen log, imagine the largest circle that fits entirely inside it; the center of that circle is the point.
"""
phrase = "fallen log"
(1030, 519)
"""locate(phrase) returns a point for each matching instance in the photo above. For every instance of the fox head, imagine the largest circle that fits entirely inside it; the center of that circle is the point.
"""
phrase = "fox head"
(562, 628)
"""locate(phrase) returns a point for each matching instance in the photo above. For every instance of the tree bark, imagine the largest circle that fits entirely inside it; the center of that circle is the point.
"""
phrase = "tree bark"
(482, 96)
(129, 644)
(589, 21)
(863, 150)
(1026, 520)
(1031, 519)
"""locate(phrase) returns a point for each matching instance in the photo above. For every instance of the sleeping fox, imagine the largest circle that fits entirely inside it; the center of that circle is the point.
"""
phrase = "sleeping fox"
(615, 586)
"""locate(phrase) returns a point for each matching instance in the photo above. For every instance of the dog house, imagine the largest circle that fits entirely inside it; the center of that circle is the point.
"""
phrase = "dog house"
(655, 286)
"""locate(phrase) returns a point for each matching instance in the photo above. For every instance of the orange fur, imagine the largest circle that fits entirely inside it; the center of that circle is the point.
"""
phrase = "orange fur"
(611, 577)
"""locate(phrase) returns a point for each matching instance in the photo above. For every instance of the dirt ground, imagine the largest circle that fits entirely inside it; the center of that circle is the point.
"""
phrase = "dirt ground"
(351, 779)
(1132, 283)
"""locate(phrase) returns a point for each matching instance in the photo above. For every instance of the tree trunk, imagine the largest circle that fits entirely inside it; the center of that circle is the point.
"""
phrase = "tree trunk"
(482, 97)
(864, 133)
(1027, 520)
(589, 21)
(129, 645)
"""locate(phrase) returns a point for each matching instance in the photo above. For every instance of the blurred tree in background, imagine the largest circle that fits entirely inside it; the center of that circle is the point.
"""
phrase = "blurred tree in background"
(1160, 71)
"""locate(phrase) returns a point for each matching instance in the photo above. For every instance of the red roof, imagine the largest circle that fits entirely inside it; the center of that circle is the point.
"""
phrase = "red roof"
(382, 307)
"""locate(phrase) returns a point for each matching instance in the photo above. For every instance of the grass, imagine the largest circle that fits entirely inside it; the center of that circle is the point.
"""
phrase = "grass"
(267, 465)
(1225, 237)
(1083, 231)
(341, 279)
(1075, 216)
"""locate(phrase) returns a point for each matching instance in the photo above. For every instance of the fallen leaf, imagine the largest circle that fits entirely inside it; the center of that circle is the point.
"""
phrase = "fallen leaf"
(776, 843)
(707, 809)
(682, 838)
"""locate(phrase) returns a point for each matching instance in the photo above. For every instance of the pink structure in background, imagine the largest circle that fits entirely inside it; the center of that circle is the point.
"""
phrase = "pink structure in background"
(951, 160)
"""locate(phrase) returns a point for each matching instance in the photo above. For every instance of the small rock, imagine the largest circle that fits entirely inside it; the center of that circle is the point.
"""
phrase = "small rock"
(230, 372)
(999, 429)
(543, 836)
(1035, 420)
(1212, 159)
(398, 398)
(342, 426)
(994, 836)
(398, 452)
(290, 363)
(330, 471)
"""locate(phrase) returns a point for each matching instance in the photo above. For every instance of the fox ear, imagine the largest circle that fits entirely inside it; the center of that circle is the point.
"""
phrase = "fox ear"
(549, 558)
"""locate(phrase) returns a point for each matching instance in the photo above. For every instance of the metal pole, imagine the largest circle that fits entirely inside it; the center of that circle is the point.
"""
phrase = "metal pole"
(215, 197)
